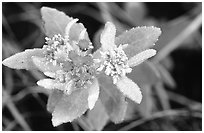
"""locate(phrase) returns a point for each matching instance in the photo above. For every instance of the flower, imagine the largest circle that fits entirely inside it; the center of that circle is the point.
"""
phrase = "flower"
(67, 60)
(75, 74)
(115, 63)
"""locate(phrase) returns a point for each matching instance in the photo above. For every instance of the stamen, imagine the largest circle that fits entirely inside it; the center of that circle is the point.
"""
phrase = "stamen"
(115, 63)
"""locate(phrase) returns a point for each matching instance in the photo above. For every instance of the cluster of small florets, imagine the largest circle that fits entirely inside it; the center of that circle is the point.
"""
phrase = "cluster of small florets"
(57, 49)
(115, 63)
(74, 58)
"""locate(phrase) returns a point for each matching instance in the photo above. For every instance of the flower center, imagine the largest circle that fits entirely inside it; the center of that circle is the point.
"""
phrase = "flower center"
(115, 63)
(74, 58)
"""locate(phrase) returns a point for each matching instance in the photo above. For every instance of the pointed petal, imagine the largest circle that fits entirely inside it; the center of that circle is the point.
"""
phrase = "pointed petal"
(112, 99)
(129, 89)
(93, 93)
(69, 25)
(55, 22)
(53, 99)
(76, 30)
(51, 84)
(70, 107)
(98, 116)
(108, 36)
(23, 60)
(44, 66)
(50, 74)
(142, 56)
(139, 39)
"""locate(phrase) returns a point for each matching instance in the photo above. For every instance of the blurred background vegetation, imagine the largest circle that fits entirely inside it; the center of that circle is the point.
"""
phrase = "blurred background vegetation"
(173, 102)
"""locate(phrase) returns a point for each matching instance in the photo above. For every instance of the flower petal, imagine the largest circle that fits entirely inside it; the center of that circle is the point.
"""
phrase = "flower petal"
(129, 89)
(97, 116)
(93, 93)
(108, 36)
(44, 66)
(112, 99)
(55, 21)
(53, 99)
(142, 56)
(139, 39)
(23, 60)
(76, 31)
(70, 107)
(51, 84)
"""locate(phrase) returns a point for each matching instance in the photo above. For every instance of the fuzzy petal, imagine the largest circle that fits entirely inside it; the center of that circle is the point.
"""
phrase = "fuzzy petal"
(55, 21)
(97, 116)
(43, 66)
(70, 107)
(53, 99)
(142, 56)
(112, 99)
(129, 89)
(51, 84)
(23, 60)
(93, 94)
(139, 39)
(108, 36)
(76, 32)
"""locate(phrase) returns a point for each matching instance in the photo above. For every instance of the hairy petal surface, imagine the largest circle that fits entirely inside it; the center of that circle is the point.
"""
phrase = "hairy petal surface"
(139, 39)
(98, 116)
(55, 22)
(51, 84)
(53, 99)
(142, 56)
(93, 93)
(70, 107)
(129, 89)
(44, 65)
(108, 36)
(23, 60)
(112, 99)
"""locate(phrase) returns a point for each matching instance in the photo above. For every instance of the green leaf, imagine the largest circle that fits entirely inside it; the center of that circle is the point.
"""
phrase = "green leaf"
(23, 60)
(93, 93)
(53, 99)
(139, 39)
(70, 107)
(98, 116)
(145, 73)
(129, 89)
(55, 22)
(108, 36)
(112, 99)
(43, 65)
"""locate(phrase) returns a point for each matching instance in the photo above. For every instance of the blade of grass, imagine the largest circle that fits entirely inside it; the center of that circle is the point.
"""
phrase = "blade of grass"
(160, 115)
(176, 42)
(16, 114)
(10, 126)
